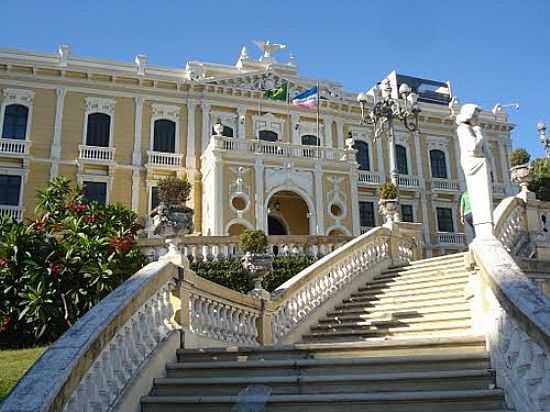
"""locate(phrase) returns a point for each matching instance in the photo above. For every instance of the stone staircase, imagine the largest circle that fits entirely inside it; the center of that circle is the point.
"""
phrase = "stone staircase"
(401, 343)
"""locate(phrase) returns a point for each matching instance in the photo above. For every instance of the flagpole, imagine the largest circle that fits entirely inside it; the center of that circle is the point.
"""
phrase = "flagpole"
(318, 112)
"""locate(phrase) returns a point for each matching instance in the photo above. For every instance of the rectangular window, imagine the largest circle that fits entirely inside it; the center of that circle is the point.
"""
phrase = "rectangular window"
(445, 219)
(96, 192)
(366, 214)
(10, 190)
(407, 213)
(154, 197)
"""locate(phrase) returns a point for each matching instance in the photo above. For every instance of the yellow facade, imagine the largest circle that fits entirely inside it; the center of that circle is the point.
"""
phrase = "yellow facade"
(299, 178)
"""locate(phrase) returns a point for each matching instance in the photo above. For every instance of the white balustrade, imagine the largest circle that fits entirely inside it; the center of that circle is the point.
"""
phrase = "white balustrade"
(15, 212)
(164, 160)
(450, 239)
(14, 147)
(511, 223)
(97, 154)
(365, 177)
(408, 182)
(297, 298)
(445, 185)
(277, 149)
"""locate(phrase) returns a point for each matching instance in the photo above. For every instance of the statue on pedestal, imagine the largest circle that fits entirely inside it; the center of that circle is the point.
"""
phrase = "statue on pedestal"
(474, 162)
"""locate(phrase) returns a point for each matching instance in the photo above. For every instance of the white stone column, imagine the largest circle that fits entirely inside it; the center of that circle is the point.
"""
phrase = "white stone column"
(423, 203)
(241, 123)
(206, 133)
(136, 154)
(260, 212)
(380, 157)
(191, 162)
(319, 208)
(57, 129)
(327, 122)
(340, 134)
(502, 143)
(355, 218)
(219, 205)
(294, 123)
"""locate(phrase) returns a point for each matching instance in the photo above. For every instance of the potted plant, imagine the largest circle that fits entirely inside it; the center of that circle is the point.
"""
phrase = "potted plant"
(256, 261)
(520, 171)
(541, 179)
(388, 203)
(171, 216)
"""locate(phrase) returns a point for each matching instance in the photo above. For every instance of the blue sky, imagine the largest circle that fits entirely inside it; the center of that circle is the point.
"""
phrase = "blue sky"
(492, 51)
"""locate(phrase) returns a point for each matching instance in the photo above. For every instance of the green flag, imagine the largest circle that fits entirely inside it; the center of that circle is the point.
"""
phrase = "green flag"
(277, 93)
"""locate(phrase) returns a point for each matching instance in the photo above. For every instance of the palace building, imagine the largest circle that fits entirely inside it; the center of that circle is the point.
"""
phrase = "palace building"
(117, 128)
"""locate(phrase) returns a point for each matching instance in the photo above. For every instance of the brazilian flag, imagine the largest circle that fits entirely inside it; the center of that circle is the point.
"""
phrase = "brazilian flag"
(277, 93)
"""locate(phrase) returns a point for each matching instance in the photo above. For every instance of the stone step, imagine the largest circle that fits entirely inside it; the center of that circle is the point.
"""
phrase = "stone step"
(456, 293)
(466, 400)
(427, 264)
(393, 319)
(332, 383)
(436, 286)
(468, 360)
(439, 259)
(417, 279)
(396, 307)
(404, 314)
(424, 346)
(382, 330)
(409, 270)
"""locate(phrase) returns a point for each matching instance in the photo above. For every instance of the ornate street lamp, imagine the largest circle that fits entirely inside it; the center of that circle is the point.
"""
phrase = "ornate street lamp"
(544, 139)
(385, 110)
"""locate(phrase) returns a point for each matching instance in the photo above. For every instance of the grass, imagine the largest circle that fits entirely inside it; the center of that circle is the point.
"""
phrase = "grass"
(13, 364)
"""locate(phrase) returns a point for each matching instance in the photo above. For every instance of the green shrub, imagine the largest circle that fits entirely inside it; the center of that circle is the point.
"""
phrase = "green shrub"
(387, 191)
(229, 273)
(174, 191)
(55, 268)
(253, 241)
(541, 179)
(519, 157)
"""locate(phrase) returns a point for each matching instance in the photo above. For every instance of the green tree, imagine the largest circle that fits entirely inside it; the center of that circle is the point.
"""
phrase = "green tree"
(56, 267)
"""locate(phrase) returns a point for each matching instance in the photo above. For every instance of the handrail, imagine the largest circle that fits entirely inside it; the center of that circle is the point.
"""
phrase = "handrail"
(296, 299)
(94, 360)
(513, 312)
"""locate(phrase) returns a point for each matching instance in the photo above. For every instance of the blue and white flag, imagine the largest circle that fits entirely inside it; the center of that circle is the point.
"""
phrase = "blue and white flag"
(308, 99)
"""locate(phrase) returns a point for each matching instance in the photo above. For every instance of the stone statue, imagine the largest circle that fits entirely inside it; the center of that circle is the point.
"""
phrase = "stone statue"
(268, 48)
(474, 162)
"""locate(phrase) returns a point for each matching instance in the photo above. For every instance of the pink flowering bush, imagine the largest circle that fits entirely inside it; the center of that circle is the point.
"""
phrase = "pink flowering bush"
(56, 267)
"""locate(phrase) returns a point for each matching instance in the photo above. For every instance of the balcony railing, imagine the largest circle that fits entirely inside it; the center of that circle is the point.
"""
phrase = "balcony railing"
(451, 239)
(365, 229)
(278, 149)
(98, 154)
(408, 182)
(164, 160)
(15, 212)
(445, 185)
(14, 147)
(369, 178)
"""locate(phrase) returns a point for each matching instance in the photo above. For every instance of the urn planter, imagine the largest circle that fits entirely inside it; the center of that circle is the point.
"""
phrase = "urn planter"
(389, 208)
(257, 266)
(522, 175)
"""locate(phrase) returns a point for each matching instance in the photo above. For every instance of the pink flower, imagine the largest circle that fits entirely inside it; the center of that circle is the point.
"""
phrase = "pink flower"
(6, 325)
(124, 243)
(4, 263)
(55, 268)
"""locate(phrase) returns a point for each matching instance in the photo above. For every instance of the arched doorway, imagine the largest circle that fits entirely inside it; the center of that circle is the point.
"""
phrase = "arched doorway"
(287, 214)
(275, 226)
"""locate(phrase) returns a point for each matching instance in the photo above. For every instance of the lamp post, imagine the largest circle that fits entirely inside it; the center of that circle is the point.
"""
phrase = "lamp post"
(544, 139)
(385, 110)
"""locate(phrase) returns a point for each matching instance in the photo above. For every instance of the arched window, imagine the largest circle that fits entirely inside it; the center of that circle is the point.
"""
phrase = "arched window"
(401, 159)
(98, 130)
(164, 138)
(268, 136)
(310, 140)
(438, 164)
(362, 155)
(15, 122)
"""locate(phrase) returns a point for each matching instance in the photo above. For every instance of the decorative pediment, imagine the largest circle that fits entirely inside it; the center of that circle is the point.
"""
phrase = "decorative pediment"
(289, 177)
